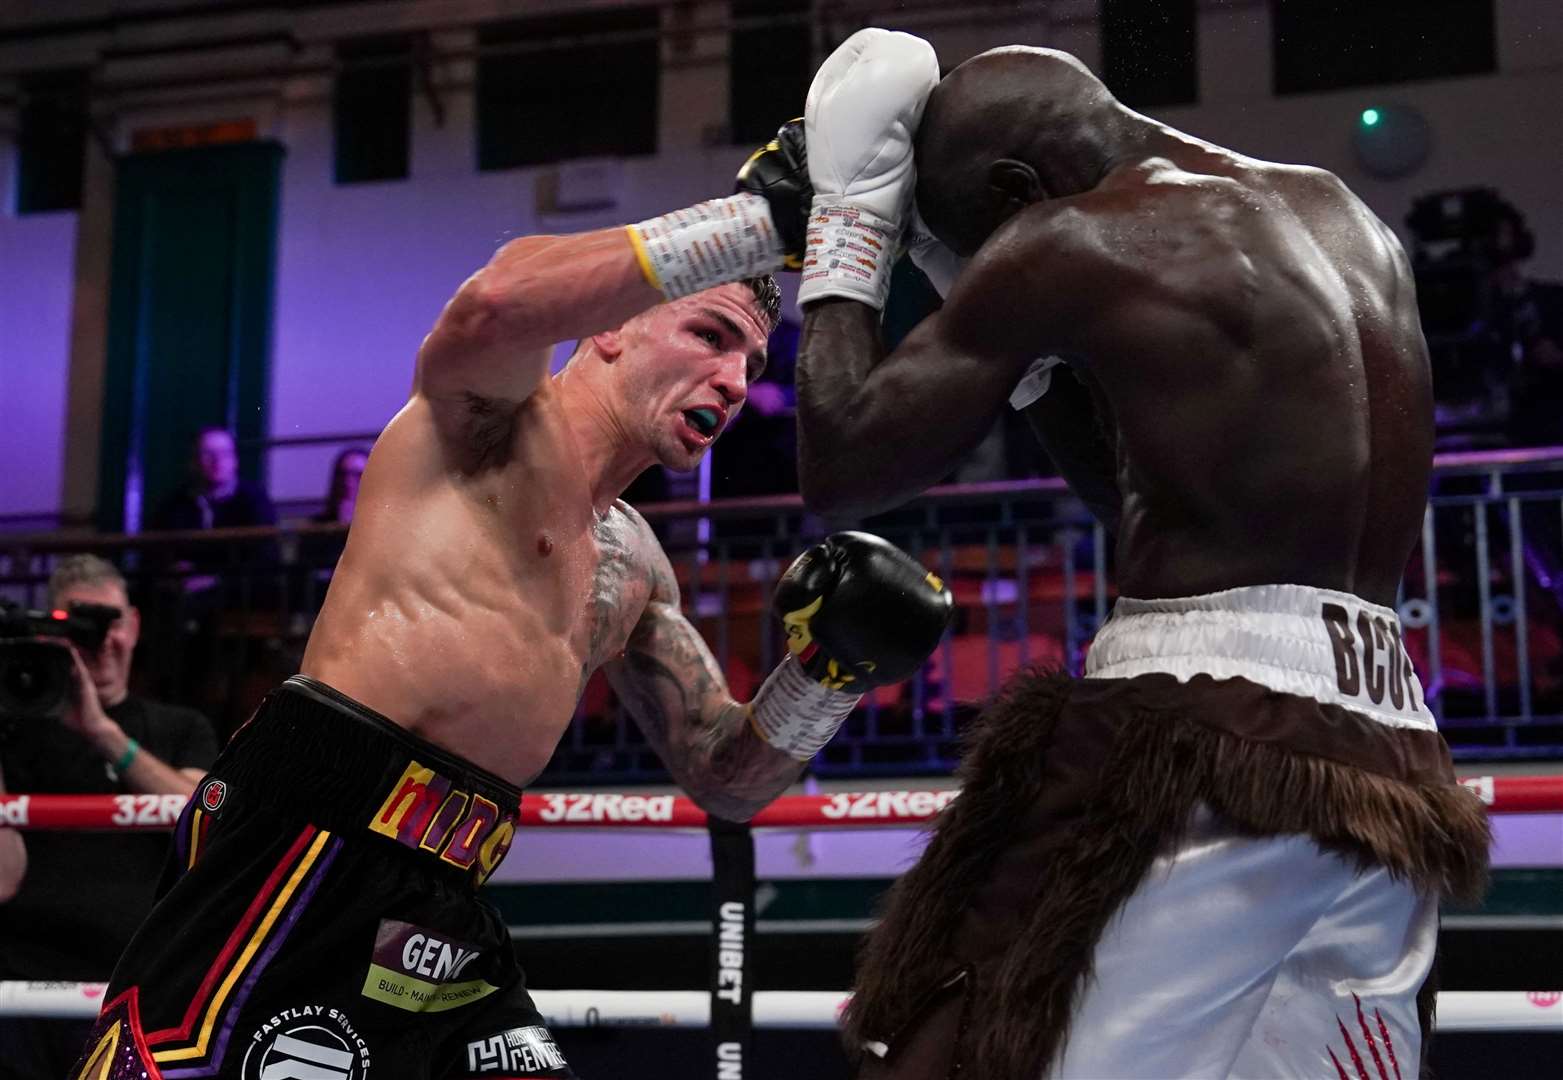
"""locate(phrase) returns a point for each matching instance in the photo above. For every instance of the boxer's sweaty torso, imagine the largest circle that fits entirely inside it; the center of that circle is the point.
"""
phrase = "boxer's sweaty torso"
(1258, 372)
(476, 596)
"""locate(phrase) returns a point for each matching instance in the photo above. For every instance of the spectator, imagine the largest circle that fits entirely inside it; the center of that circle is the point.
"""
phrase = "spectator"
(319, 551)
(215, 498)
(1495, 336)
(201, 622)
(69, 901)
(346, 471)
(1529, 315)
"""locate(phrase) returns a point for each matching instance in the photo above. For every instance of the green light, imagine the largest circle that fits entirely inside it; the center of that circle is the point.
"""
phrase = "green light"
(1369, 117)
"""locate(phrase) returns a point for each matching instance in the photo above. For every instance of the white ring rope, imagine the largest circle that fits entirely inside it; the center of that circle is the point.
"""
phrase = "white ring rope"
(1458, 1010)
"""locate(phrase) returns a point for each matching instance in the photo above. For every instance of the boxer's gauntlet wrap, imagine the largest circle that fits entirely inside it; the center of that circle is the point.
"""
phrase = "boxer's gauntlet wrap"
(851, 253)
(796, 713)
(708, 244)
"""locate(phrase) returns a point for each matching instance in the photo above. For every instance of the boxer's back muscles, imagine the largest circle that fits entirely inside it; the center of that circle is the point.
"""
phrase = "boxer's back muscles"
(1247, 334)
(1256, 349)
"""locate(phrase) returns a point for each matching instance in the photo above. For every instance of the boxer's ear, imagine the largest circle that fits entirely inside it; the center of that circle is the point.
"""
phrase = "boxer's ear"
(1015, 182)
(610, 344)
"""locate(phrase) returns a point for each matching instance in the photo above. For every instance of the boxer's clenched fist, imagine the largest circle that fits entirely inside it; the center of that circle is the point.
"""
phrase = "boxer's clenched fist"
(779, 173)
(859, 613)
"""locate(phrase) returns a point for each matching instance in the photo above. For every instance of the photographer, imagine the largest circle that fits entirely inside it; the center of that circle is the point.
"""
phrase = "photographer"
(69, 901)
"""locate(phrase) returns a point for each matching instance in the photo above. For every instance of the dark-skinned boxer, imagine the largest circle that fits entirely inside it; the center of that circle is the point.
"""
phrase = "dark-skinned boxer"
(1221, 852)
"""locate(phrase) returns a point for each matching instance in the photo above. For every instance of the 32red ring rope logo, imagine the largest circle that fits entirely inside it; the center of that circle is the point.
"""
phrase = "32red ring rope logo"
(595, 808)
(886, 805)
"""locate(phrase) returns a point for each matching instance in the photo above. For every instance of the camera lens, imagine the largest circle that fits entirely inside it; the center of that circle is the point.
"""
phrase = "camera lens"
(34, 677)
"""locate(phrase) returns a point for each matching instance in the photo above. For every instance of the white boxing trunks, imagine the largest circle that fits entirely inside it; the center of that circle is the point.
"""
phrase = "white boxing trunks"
(1261, 957)
(1315, 643)
(1219, 854)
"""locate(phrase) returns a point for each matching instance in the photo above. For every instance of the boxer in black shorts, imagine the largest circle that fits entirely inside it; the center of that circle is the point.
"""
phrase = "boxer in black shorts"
(322, 896)
(322, 921)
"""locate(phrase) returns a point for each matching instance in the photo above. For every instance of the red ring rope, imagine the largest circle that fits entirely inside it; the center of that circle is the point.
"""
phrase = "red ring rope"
(850, 810)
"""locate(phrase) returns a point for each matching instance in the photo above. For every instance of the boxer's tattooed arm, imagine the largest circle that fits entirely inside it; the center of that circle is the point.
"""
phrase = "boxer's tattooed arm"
(619, 536)
(712, 751)
(669, 681)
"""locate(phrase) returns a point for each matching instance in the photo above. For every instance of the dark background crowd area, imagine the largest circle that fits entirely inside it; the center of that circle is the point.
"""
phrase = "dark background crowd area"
(228, 618)
(1494, 334)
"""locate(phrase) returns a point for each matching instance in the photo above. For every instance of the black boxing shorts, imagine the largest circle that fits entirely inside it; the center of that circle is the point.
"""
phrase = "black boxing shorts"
(319, 916)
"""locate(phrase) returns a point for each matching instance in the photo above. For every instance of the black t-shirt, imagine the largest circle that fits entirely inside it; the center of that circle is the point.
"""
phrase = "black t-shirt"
(247, 505)
(85, 893)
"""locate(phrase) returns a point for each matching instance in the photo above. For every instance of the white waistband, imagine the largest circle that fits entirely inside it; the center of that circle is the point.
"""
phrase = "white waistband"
(1330, 646)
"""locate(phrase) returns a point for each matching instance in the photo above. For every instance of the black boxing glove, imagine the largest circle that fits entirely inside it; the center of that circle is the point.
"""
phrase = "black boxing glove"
(859, 613)
(779, 172)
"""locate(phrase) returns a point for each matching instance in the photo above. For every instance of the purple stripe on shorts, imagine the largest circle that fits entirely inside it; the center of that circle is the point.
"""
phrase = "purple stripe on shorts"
(182, 832)
(279, 935)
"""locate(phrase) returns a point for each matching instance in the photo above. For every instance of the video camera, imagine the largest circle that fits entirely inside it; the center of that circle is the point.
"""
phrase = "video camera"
(35, 663)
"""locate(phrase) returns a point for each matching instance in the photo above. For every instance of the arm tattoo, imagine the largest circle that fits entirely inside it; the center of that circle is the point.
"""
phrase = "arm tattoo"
(712, 752)
(669, 681)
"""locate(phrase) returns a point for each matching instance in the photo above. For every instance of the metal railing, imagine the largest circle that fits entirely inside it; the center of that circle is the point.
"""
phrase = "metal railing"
(226, 613)
(1483, 601)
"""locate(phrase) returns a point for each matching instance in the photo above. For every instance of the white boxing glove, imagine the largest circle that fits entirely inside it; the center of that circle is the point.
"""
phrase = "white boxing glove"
(938, 263)
(863, 109)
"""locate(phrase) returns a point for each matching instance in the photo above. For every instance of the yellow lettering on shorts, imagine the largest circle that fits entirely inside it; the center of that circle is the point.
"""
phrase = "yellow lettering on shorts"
(407, 794)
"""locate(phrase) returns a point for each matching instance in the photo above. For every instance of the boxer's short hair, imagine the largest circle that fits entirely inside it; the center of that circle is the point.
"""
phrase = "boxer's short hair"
(767, 298)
